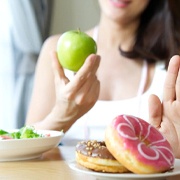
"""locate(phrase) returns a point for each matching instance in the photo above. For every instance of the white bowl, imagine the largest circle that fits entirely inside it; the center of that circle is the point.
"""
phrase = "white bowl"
(23, 149)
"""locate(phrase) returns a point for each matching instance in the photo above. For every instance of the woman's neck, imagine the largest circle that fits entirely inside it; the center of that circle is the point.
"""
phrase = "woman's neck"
(117, 34)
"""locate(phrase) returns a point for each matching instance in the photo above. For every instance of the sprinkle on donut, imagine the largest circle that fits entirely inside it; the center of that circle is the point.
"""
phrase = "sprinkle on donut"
(94, 155)
(139, 146)
(94, 149)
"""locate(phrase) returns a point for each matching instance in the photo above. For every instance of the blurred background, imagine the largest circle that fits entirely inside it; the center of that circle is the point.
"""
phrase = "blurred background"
(73, 14)
(24, 26)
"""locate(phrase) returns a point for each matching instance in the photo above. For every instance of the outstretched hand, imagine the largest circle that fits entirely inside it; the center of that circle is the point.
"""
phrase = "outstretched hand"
(165, 115)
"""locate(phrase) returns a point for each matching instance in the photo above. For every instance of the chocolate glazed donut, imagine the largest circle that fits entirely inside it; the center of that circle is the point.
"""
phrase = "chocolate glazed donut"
(94, 155)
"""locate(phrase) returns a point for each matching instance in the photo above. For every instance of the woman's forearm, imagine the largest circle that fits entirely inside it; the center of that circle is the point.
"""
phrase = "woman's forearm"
(55, 120)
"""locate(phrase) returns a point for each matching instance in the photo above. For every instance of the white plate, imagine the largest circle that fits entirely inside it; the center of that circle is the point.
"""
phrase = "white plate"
(126, 176)
(23, 149)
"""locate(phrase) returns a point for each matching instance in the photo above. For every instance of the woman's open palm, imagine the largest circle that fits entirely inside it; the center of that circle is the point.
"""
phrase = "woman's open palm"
(165, 115)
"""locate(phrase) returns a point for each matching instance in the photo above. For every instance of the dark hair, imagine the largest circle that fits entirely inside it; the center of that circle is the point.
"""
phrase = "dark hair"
(158, 34)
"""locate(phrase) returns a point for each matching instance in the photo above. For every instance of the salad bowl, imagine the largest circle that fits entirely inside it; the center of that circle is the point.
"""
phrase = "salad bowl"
(29, 148)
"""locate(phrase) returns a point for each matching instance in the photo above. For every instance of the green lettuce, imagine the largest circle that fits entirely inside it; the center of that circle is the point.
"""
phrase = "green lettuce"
(23, 133)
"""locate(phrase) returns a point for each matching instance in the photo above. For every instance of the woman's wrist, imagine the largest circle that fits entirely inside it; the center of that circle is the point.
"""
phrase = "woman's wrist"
(56, 120)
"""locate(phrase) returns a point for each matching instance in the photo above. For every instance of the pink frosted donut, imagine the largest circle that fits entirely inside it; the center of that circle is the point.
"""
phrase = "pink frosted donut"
(139, 146)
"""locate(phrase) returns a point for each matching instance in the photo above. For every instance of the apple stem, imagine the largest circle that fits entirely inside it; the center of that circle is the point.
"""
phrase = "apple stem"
(79, 30)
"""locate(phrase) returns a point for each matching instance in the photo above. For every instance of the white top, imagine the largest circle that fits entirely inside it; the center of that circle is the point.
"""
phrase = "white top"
(92, 125)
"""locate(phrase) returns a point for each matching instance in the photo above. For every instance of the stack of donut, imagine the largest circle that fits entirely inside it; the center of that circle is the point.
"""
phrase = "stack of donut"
(131, 144)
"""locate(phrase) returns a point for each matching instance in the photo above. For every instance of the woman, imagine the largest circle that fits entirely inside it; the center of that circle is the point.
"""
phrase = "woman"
(135, 41)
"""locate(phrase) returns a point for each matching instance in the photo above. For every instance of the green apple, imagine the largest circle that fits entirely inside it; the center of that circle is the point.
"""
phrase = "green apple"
(73, 48)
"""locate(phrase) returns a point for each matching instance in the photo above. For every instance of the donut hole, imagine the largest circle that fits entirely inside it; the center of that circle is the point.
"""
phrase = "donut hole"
(145, 141)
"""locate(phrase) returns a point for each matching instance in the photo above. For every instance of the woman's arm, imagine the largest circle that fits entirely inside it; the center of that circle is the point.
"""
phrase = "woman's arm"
(165, 116)
(57, 102)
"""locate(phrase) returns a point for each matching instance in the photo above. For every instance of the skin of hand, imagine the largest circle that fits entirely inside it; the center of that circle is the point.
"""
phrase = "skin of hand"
(76, 97)
(165, 115)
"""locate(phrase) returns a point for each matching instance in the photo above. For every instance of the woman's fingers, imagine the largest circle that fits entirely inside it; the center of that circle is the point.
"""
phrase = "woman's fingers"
(58, 69)
(89, 92)
(172, 81)
(155, 111)
(88, 69)
(178, 80)
(79, 88)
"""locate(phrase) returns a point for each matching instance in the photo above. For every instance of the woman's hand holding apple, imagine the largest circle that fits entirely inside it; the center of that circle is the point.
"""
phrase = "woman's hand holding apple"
(76, 97)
